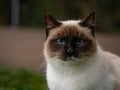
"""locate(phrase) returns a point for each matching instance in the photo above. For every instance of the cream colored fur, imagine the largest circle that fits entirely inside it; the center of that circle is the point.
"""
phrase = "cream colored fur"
(93, 74)
(98, 72)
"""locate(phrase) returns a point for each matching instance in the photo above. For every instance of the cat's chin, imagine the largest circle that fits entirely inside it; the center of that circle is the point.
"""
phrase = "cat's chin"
(71, 60)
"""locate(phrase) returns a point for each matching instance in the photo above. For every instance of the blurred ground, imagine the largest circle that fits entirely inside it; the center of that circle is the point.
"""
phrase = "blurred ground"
(22, 48)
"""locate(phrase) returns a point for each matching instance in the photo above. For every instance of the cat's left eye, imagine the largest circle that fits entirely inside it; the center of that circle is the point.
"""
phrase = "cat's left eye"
(60, 41)
(80, 42)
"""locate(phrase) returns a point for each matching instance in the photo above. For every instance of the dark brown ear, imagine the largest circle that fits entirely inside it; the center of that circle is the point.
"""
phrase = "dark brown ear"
(89, 22)
(50, 23)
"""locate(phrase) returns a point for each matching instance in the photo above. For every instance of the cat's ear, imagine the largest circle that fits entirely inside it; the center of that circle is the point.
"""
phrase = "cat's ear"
(50, 23)
(89, 22)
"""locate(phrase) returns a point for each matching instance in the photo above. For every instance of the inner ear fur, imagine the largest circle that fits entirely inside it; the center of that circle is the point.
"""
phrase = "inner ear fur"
(89, 22)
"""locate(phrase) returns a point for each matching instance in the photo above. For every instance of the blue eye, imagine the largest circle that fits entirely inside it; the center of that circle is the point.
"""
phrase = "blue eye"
(60, 41)
(79, 42)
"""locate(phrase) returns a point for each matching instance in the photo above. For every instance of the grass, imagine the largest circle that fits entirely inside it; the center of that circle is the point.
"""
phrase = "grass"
(22, 80)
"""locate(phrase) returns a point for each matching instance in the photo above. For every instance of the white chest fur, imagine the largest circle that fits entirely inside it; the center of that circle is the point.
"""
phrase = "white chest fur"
(94, 75)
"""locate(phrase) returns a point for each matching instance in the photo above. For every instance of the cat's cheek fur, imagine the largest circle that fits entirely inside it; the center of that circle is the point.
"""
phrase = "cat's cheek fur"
(95, 75)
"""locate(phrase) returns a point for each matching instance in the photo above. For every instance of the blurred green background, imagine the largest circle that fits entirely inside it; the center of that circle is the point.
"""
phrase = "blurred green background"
(22, 36)
(31, 12)
(21, 80)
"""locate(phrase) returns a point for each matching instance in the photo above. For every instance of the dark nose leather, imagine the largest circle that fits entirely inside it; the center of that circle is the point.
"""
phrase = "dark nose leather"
(70, 51)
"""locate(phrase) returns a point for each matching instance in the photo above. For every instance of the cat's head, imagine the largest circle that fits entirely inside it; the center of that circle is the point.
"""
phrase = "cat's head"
(70, 39)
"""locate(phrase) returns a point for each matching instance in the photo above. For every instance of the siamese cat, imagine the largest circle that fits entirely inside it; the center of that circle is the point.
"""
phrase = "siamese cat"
(75, 61)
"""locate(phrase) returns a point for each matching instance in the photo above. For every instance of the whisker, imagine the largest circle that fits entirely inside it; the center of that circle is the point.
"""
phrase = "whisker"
(38, 57)
(42, 66)
(42, 55)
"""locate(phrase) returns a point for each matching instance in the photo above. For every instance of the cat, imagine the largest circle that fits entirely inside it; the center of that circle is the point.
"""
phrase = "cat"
(75, 61)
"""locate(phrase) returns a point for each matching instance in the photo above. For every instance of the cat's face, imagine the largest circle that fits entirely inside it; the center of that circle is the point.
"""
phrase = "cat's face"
(70, 39)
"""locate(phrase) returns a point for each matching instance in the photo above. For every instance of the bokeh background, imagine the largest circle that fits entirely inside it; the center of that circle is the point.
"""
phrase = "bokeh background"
(22, 35)
(29, 13)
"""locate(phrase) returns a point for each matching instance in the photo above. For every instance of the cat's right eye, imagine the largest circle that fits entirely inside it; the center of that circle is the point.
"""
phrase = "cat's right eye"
(60, 41)
(79, 41)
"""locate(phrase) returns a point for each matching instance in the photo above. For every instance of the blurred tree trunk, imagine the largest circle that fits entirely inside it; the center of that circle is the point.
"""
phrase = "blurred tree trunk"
(14, 12)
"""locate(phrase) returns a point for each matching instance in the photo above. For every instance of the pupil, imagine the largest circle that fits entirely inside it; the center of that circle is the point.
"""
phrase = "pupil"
(79, 42)
(60, 41)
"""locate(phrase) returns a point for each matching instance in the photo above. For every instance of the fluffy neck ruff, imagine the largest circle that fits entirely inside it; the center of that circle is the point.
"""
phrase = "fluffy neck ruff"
(87, 74)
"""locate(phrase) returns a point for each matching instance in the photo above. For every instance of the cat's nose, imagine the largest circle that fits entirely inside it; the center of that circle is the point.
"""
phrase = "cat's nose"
(70, 51)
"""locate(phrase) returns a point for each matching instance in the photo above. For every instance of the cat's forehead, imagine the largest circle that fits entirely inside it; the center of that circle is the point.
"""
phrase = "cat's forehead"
(70, 28)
